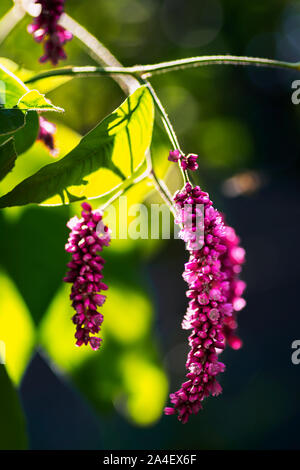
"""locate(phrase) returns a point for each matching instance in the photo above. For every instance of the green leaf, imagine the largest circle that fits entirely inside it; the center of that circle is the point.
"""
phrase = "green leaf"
(38, 156)
(13, 428)
(14, 92)
(27, 135)
(22, 139)
(35, 101)
(12, 88)
(7, 157)
(11, 120)
(24, 136)
(108, 158)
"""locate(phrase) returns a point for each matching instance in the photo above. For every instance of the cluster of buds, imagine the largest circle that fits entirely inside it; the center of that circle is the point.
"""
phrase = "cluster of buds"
(87, 238)
(187, 162)
(45, 29)
(214, 297)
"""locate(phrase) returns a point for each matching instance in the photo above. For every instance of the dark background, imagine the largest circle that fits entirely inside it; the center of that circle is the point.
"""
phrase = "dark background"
(243, 125)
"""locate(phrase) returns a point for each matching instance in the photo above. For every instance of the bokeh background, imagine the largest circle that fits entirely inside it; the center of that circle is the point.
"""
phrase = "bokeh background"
(242, 123)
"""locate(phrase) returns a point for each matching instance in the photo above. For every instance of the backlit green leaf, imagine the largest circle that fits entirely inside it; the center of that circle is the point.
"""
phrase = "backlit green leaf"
(106, 159)
(13, 93)
(35, 101)
(12, 88)
(44, 86)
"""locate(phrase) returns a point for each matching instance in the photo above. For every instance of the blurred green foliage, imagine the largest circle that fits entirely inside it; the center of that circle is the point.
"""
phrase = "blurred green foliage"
(13, 428)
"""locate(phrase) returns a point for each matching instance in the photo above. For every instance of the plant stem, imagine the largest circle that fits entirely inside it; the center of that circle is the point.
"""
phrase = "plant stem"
(10, 20)
(141, 72)
(168, 125)
(160, 187)
(164, 115)
(180, 64)
(86, 71)
(98, 52)
(146, 71)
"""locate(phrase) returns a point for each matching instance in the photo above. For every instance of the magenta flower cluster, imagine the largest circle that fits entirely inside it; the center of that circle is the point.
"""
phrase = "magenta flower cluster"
(214, 293)
(45, 29)
(46, 135)
(87, 238)
(187, 162)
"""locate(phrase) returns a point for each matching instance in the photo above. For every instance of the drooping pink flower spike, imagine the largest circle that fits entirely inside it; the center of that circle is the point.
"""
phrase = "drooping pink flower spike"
(87, 238)
(210, 299)
(46, 135)
(45, 29)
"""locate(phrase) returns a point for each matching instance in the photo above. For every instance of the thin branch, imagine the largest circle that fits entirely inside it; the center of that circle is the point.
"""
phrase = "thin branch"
(86, 71)
(168, 126)
(10, 20)
(200, 61)
(99, 52)
(146, 71)
(159, 185)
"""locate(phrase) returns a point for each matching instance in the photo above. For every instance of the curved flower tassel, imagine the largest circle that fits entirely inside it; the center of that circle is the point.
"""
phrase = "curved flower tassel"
(45, 28)
(210, 280)
(88, 237)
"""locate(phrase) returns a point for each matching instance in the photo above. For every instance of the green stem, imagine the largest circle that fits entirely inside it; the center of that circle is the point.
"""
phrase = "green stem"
(99, 52)
(180, 64)
(10, 20)
(146, 71)
(120, 192)
(169, 128)
(168, 125)
(86, 71)
(160, 187)
(142, 72)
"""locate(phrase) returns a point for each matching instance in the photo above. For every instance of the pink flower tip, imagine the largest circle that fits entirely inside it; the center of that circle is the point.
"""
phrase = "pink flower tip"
(169, 411)
(174, 155)
(86, 207)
